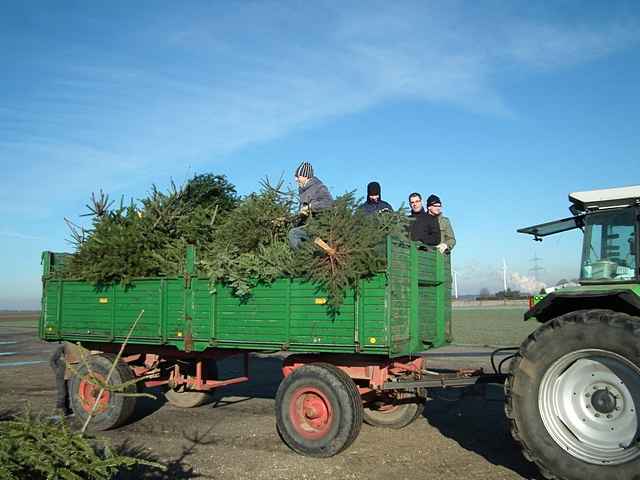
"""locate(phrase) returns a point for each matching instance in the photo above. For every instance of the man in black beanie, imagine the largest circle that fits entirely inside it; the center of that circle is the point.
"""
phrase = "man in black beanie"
(430, 227)
(441, 232)
(374, 203)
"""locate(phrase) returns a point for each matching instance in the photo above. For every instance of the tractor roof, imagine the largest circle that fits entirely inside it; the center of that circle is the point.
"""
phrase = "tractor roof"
(606, 198)
(585, 203)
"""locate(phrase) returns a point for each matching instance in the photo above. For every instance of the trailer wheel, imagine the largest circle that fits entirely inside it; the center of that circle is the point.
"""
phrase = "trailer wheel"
(186, 399)
(390, 415)
(318, 410)
(114, 409)
(573, 395)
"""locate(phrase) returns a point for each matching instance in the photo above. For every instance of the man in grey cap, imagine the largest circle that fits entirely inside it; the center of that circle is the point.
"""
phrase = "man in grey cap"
(314, 197)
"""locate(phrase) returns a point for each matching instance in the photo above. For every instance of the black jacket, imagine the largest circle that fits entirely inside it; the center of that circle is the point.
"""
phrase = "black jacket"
(425, 228)
(370, 208)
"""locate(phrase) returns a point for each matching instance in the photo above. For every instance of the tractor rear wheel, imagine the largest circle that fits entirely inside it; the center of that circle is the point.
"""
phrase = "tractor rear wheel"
(318, 410)
(395, 413)
(114, 407)
(573, 394)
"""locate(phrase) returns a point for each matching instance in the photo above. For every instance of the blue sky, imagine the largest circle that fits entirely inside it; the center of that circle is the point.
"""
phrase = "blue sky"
(501, 108)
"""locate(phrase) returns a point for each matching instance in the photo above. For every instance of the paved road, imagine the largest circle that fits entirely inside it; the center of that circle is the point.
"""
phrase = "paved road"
(461, 435)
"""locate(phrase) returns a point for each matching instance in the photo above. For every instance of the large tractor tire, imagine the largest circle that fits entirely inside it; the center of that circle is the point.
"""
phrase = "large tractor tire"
(394, 414)
(318, 410)
(114, 408)
(573, 394)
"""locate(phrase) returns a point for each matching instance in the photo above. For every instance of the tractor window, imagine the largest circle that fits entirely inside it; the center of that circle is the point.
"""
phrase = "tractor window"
(609, 246)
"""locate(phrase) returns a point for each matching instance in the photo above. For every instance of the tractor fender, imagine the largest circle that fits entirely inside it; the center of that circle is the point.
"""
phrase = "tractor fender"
(558, 303)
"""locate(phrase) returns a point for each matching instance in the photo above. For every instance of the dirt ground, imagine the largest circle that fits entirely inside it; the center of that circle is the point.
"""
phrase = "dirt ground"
(462, 433)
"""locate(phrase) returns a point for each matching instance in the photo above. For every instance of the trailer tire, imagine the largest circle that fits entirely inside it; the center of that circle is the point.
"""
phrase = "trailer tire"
(185, 398)
(394, 416)
(114, 409)
(318, 410)
(573, 394)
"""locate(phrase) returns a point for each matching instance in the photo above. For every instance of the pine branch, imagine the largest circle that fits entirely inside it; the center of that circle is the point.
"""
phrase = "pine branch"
(99, 206)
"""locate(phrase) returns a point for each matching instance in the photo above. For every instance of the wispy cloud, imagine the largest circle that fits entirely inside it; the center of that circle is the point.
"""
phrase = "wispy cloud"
(191, 87)
(556, 46)
(215, 89)
(20, 236)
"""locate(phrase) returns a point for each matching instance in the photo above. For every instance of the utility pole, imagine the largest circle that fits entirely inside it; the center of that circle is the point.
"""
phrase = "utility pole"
(537, 266)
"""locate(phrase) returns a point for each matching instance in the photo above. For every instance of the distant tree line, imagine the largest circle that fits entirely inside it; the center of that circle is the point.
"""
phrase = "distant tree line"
(507, 294)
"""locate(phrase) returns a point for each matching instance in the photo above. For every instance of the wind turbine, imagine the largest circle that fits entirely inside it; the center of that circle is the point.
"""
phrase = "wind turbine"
(504, 274)
(455, 284)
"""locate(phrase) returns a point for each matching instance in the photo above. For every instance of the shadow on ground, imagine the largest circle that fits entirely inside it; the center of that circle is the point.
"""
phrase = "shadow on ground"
(474, 418)
(145, 406)
(173, 469)
(265, 375)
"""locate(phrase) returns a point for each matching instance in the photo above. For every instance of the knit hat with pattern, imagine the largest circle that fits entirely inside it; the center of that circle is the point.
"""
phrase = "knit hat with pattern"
(304, 170)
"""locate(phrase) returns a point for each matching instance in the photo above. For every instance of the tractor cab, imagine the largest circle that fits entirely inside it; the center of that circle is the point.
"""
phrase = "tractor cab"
(608, 219)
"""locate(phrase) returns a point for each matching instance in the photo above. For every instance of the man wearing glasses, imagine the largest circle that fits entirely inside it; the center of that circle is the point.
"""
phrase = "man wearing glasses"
(431, 227)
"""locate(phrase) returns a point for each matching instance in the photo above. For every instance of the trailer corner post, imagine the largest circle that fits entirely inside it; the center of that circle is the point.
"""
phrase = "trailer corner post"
(190, 268)
(414, 292)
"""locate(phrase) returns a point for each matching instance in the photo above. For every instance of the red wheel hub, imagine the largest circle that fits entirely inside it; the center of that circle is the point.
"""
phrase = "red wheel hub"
(310, 412)
(88, 393)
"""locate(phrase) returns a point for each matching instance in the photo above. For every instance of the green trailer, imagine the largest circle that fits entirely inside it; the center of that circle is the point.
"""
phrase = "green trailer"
(344, 367)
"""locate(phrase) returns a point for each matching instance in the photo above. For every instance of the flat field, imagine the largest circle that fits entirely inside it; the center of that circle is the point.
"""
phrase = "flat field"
(19, 319)
(491, 326)
(462, 434)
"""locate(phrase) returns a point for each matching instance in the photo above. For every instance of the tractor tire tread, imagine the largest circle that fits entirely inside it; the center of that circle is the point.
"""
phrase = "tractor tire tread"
(611, 318)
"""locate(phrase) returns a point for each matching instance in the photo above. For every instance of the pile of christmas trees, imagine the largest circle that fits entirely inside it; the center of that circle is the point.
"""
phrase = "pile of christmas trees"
(240, 241)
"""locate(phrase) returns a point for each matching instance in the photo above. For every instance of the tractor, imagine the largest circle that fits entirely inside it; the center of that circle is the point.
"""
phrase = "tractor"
(573, 390)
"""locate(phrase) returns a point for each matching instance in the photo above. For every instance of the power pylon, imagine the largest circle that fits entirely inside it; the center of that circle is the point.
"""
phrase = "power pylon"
(537, 266)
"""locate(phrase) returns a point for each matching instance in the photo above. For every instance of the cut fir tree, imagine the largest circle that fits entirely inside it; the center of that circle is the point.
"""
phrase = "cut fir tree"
(241, 242)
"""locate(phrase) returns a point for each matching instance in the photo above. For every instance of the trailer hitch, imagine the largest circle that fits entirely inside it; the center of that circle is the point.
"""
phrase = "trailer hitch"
(457, 379)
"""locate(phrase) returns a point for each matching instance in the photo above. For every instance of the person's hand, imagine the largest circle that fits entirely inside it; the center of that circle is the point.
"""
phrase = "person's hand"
(442, 247)
(305, 211)
(279, 221)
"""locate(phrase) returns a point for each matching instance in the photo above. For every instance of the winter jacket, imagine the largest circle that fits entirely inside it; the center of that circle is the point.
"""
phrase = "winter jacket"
(423, 230)
(369, 208)
(446, 232)
(316, 195)
(419, 229)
